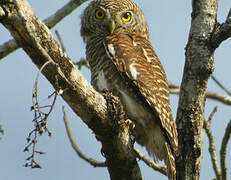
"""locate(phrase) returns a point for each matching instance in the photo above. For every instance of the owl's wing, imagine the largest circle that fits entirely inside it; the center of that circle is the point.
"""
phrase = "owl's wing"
(134, 57)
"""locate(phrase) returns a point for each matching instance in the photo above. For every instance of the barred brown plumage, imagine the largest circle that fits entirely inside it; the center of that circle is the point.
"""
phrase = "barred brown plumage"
(123, 61)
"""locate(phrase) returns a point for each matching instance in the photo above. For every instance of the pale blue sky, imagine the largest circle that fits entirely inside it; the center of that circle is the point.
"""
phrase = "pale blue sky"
(169, 23)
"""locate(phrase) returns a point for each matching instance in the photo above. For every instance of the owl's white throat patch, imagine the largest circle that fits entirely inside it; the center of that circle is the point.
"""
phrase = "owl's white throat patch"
(133, 71)
(111, 49)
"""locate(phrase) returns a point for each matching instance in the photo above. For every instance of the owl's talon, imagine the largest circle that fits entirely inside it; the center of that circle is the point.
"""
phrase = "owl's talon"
(115, 108)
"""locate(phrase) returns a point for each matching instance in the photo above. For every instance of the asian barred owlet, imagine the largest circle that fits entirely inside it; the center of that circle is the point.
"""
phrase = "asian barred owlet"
(123, 62)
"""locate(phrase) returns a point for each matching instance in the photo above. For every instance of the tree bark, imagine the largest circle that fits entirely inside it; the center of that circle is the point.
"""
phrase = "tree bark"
(109, 124)
(199, 65)
(106, 117)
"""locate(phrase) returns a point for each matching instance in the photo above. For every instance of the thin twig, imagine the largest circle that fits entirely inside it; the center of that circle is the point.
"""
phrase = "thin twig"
(11, 45)
(212, 146)
(212, 114)
(220, 85)
(75, 147)
(174, 89)
(81, 63)
(223, 150)
(61, 41)
(35, 89)
(218, 97)
(67, 9)
(40, 122)
(173, 86)
(95, 163)
(150, 163)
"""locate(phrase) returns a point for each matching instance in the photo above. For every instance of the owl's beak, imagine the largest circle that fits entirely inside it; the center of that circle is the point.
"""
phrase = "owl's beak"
(112, 26)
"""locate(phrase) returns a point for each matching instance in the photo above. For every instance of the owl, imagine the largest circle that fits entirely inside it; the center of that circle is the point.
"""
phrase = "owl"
(123, 62)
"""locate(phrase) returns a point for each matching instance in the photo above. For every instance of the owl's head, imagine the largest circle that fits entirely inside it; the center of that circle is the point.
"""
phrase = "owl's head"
(106, 17)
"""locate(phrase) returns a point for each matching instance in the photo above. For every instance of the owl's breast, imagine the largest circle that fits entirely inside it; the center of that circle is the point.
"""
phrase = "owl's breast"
(105, 77)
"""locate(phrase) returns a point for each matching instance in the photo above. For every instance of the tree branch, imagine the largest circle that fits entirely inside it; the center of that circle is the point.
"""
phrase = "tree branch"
(60, 41)
(40, 122)
(95, 163)
(223, 151)
(150, 163)
(174, 89)
(109, 126)
(7, 48)
(75, 147)
(11, 45)
(212, 146)
(199, 65)
(222, 32)
(220, 85)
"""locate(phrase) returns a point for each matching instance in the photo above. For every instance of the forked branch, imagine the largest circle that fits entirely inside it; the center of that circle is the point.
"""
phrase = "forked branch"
(96, 163)
(222, 32)
(40, 45)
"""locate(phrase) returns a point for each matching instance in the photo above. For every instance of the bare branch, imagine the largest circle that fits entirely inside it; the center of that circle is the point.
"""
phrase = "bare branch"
(60, 41)
(81, 63)
(40, 123)
(67, 9)
(174, 89)
(212, 114)
(221, 98)
(223, 151)
(36, 105)
(7, 48)
(222, 32)
(148, 162)
(75, 147)
(220, 85)
(212, 145)
(11, 45)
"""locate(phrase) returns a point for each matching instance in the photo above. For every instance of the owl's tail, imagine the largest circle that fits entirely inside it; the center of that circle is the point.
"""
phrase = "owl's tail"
(170, 162)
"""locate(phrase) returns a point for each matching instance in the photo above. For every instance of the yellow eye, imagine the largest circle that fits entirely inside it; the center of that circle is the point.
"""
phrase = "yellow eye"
(99, 14)
(127, 17)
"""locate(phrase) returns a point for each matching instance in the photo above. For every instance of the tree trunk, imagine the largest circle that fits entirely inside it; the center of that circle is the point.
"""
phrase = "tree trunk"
(199, 65)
